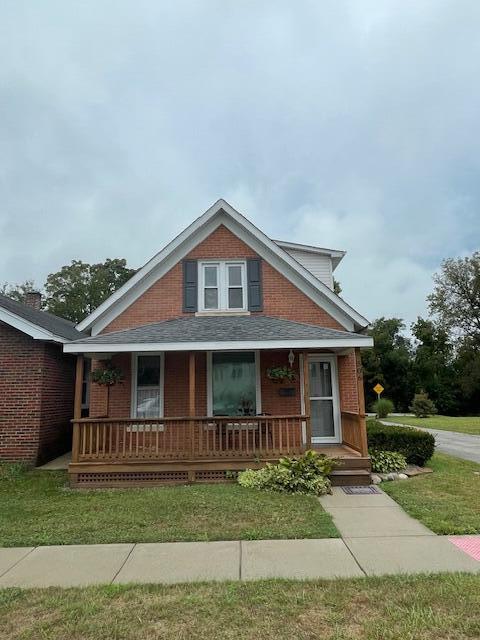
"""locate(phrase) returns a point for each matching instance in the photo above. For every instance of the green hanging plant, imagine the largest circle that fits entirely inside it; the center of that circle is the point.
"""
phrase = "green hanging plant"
(108, 376)
(281, 374)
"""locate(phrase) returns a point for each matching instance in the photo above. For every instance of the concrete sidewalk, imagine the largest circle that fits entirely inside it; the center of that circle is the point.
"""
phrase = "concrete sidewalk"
(460, 445)
(378, 537)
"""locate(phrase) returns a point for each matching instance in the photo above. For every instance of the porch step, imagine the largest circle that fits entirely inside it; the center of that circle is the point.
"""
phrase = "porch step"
(346, 464)
(350, 477)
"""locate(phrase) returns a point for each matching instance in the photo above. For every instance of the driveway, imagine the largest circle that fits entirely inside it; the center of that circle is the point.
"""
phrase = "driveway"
(461, 445)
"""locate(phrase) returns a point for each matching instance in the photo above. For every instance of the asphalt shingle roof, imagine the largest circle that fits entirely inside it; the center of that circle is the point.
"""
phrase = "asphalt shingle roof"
(220, 329)
(58, 326)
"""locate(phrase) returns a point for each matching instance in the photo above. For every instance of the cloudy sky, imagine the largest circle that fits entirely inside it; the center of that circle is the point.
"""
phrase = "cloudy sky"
(347, 124)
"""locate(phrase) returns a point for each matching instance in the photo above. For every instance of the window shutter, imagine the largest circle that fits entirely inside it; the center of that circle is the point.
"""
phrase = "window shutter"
(190, 278)
(254, 279)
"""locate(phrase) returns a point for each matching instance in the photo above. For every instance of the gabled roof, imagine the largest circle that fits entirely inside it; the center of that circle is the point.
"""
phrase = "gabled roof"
(335, 254)
(40, 325)
(221, 213)
(220, 332)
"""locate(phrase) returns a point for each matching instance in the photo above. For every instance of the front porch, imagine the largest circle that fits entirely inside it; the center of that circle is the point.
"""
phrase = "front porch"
(197, 415)
(179, 450)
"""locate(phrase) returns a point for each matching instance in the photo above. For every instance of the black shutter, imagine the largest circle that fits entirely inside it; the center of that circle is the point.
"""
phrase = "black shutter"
(254, 278)
(190, 277)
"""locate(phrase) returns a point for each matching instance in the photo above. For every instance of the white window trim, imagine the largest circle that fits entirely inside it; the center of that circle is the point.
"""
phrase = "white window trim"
(258, 385)
(337, 418)
(134, 367)
(222, 285)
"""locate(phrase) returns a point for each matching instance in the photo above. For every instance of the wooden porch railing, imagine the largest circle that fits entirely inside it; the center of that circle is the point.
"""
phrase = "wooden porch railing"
(354, 431)
(191, 438)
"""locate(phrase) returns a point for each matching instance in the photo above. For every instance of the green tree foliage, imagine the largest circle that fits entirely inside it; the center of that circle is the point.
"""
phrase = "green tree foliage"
(389, 363)
(433, 365)
(18, 291)
(79, 288)
(467, 375)
(455, 301)
(337, 287)
(455, 304)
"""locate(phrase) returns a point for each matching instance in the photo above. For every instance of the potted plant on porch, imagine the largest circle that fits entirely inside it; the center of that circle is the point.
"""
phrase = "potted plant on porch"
(281, 374)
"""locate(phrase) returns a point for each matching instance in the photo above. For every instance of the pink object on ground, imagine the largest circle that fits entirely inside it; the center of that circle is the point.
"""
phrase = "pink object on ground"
(469, 544)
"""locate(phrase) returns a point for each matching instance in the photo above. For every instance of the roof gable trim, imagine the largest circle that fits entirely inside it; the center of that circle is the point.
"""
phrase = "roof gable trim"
(221, 213)
(29, 328)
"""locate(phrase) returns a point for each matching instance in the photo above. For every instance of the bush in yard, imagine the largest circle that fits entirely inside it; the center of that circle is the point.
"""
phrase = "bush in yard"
(383, 407)
(386, 461)
(305, 474)
(422, 406)
(417, 446)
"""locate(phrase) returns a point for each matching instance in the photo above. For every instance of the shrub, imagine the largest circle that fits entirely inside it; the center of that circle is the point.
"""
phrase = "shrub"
(387, 461)
(422, 406)
(305, 474)
(417, 446)
(383, 407)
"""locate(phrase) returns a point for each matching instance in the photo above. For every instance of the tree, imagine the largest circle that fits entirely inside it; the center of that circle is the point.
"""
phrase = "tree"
(467, 374)
(79, 288)
(433, 365)
(389, 362)
(337, 287)
(18, 291)
(455, 301)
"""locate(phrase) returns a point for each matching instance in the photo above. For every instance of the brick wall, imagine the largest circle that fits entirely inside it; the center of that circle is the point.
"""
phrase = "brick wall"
(164, 299)
(347, 382)
(36, 398)
(57, 396)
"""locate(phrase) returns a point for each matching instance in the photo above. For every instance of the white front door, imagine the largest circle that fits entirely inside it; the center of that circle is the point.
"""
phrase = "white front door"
(324, 404)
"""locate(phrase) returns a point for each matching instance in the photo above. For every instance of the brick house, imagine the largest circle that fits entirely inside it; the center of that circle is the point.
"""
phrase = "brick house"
(233, 349)
(36, 382)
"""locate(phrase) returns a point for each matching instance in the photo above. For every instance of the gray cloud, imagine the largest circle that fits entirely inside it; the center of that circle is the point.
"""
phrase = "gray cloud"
(346, 124)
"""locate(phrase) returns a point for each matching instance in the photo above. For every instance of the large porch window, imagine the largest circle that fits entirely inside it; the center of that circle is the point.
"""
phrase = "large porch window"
(233, 384)
(147, 386)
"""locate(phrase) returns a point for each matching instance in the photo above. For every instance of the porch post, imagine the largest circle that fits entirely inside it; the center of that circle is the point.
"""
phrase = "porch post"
(191, 409)
(361, 403)
(77, 407)
(191, 383)
(306, 399)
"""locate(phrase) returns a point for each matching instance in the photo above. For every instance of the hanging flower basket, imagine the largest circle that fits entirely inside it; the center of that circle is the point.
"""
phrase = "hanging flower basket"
(108, 376)
(281, 374)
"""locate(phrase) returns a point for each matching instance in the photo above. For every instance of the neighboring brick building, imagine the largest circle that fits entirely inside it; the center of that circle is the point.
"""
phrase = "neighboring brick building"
(36, 382)
(198, 335)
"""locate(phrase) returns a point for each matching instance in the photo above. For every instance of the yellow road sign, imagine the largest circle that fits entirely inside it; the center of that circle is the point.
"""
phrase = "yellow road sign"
(378, 388)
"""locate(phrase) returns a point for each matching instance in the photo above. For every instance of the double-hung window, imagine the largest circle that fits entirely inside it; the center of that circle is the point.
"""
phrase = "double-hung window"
(147, 386)
(222, 286)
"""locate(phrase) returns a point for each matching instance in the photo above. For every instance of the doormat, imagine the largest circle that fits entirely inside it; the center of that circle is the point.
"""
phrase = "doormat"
(468, 544)
(361, 490)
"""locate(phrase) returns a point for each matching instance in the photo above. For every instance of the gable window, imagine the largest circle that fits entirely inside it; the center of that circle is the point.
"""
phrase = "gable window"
(147, 387)
(222, 286)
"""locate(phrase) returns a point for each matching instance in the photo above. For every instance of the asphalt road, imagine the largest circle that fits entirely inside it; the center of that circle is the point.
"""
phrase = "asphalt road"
(461, 445)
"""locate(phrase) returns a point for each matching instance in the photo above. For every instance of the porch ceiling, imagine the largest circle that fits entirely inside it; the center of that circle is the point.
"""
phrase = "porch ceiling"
(220, 333)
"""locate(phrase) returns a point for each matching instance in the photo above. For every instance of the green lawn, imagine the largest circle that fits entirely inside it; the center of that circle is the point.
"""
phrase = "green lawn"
(447, 501)
(394, 608)
(444, 423)
(38, 508)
